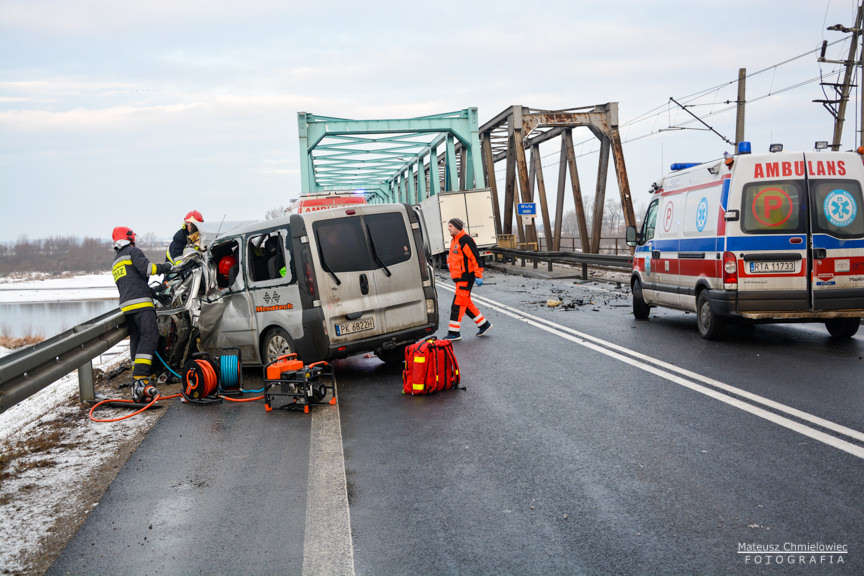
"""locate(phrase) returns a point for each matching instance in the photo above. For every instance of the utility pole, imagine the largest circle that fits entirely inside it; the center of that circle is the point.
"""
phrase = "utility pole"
(739, 121)
(838, 107)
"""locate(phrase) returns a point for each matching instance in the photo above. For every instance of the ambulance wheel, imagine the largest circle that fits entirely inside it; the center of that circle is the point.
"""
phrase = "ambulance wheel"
(842, 327)
(276, 342)
(641, 310)
(710, 324)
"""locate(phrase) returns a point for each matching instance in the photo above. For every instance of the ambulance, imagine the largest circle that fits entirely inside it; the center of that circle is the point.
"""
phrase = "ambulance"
(755, 238)
(325, 201)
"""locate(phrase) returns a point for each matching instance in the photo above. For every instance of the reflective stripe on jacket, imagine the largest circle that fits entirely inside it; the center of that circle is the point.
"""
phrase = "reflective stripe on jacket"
(174, 254)
(131, 270)
(463, 260)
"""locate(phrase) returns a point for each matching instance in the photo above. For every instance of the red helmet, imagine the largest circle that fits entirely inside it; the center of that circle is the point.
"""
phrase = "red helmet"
(194, 217)
(226, 263)
(123, 233)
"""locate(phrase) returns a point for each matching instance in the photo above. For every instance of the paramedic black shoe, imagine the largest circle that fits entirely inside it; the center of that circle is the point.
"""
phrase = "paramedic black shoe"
(143, 391)
(453, 336)
(484, 328)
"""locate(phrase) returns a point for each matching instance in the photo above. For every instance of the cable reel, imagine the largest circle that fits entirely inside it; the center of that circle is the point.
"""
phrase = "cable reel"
(231, 372)
(199, 379)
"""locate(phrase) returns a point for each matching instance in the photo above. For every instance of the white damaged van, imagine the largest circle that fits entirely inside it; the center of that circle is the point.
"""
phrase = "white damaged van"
(325, 284)
(775, 237)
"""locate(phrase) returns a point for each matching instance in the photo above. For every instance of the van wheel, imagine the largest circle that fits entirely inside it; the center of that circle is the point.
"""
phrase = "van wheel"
(275, 343)
(710, 324)
(641, 310)
(842, 327)
(394, 356)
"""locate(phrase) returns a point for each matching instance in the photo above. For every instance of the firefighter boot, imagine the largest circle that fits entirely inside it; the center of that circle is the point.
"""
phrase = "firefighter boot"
(143, 391)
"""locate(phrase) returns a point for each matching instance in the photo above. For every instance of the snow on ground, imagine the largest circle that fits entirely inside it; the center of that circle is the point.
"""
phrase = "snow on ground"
(83, 287)
(53, 451)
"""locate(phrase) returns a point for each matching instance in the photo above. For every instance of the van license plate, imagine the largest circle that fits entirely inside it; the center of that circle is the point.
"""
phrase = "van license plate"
(353, 326)
(769, 267)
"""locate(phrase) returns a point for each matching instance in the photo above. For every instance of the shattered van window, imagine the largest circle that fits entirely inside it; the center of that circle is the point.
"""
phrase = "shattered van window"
(266, 257)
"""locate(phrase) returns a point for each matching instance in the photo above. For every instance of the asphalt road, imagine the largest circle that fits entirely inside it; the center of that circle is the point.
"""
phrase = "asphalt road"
(586, 443)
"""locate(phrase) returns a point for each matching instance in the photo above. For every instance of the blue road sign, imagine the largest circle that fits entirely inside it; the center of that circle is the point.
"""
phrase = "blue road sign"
(529, 209)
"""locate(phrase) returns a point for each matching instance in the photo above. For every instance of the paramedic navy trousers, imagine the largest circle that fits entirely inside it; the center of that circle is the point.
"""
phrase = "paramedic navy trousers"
(143, 339)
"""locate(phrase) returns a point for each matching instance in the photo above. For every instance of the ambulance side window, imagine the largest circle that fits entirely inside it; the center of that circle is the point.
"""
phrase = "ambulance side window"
(837, 208)
(650, 222)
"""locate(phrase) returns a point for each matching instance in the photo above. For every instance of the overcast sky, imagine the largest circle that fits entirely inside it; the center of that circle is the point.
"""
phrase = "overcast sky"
(120, 113)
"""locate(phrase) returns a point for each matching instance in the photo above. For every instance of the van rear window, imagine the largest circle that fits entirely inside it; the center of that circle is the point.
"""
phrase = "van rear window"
(389, 237)
(367, 243)
(772, 207)
(837, 208)
(342, 245)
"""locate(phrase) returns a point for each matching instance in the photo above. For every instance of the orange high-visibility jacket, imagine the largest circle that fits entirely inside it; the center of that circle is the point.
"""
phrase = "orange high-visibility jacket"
(464, 258)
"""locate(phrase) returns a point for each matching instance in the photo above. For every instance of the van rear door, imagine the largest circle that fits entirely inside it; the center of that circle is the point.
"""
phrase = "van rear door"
(837, 228)
(368, 272)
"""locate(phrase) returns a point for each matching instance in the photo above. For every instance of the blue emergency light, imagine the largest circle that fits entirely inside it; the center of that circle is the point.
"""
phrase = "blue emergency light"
(683, 165)
(743, 147)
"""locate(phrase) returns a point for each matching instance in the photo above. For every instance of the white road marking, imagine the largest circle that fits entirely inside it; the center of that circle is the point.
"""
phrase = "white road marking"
(680, 376)
(327, 549)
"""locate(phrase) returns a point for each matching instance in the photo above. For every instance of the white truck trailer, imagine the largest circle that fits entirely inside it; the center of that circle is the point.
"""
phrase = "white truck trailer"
(474, 207)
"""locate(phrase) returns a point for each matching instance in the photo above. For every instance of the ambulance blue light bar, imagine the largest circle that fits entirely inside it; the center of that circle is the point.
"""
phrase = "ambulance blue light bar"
(744, 148)
(683, 165)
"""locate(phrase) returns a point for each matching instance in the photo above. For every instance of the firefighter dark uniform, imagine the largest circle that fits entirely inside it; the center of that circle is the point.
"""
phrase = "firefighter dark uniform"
(131, 271)
(463, 260)
(187, 235)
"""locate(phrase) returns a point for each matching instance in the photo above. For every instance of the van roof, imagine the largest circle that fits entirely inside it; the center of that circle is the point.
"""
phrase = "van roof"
(258, 225)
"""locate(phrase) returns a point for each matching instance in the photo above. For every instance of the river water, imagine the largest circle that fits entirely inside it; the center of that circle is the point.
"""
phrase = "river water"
(18, 319)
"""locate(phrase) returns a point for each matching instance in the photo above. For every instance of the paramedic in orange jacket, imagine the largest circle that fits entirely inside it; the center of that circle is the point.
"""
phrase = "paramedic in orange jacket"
(465, 270)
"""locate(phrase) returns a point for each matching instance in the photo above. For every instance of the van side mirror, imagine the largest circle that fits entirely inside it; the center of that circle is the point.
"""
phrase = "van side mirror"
(631, 236)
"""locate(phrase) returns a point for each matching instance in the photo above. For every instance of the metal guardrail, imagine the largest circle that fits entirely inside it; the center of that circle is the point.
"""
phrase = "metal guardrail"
(624, 263)
(26, 371)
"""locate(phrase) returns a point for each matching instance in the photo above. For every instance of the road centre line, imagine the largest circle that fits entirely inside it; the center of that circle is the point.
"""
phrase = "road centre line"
(668, 372)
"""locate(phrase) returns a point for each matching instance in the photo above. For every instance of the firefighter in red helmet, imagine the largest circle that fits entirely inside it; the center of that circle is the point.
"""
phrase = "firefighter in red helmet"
(227, 270)
(131, 270)
(187, 235)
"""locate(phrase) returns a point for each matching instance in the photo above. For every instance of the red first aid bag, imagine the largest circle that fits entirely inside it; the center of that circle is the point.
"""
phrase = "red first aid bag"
(430, 366)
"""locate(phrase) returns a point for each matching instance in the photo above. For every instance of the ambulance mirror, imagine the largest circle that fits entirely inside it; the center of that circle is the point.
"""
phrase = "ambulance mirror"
(631, 236)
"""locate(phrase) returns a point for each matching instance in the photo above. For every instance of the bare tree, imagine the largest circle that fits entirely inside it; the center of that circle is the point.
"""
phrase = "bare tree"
(275, 212)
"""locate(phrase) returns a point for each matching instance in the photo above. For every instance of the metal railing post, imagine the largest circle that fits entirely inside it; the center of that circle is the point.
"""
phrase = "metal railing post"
(85, 382)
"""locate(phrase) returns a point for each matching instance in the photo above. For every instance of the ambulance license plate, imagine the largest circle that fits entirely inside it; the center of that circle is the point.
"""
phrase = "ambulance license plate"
(771, 267)
(353, 326)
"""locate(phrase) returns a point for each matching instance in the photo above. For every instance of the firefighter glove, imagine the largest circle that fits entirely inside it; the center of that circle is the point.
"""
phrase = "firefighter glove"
(478, 282)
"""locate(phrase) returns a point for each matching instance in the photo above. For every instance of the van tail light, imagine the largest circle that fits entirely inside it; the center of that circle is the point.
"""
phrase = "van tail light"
(310, 280)
(730, 268)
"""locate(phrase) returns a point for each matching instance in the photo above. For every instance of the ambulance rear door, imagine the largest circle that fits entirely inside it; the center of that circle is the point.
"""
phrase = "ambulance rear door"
(837, 228)
(770, 240)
